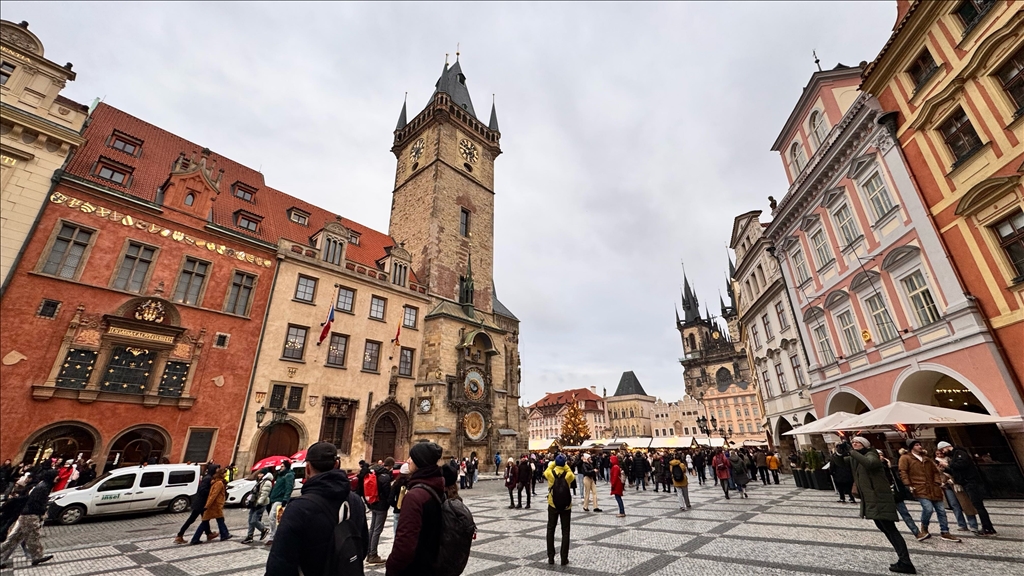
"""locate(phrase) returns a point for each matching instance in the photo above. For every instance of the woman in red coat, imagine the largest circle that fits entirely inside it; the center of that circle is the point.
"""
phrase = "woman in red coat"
(617, 484)
(63, 475)
(722, 466)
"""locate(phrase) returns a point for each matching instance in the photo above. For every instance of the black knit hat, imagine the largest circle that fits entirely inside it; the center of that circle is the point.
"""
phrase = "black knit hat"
(425, 454)
(911, 442)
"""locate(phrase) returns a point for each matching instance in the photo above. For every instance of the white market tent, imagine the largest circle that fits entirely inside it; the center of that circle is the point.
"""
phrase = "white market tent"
(826, 424)
(634, 442)
(542, 444)
(916, 415)
(669, 442)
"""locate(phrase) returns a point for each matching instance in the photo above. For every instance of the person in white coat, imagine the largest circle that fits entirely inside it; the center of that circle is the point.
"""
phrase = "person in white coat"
(259, 503)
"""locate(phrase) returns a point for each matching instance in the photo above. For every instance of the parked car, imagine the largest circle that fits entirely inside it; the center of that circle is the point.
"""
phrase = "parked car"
(239, 491)
(125, 490)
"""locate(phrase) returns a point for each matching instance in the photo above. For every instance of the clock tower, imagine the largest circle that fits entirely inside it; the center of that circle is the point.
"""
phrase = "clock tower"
(442, 211)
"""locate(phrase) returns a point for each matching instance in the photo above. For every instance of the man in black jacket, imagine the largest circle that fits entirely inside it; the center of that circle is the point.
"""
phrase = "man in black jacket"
(525, 481)
(29, 526)
(965, 473)
(379, 509)
(199, 505)
(306, 533)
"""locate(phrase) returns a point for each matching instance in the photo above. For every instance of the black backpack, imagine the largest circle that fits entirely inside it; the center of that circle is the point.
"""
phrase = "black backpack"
(560, 495)
(677, 473)
(457, 534)
(345, 553)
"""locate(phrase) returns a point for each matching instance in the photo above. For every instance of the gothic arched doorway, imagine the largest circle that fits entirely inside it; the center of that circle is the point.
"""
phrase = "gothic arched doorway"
(138, 446)
(61, 441)
(786, 445)
(279, 440)
(385, 432)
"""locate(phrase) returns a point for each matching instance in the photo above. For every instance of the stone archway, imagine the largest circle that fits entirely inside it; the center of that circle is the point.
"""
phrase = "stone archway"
(843, 400)
(385, 435)
(785, 445)
(138, 445)
(278, 440)
(61, 440)
(397, 428)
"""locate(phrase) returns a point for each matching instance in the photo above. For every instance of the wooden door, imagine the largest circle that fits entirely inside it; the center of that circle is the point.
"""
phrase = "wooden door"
(279, 440)
(384, 434)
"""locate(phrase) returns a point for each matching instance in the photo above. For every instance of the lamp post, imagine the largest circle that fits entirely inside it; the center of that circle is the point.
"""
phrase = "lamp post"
(277, 416)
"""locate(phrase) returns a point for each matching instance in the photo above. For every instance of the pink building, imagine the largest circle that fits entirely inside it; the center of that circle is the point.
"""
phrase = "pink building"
(881, 310)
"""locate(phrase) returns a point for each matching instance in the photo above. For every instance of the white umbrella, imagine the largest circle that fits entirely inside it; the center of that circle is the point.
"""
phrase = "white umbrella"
(826, 424)
(910, 414)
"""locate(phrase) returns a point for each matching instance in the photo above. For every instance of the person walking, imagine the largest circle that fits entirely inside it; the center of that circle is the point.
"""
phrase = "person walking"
(511, 479)
(617, 476)
(922, 477)
(559, 477)
(280, 494)
(589, 483)
(772, 459)
(214, 510)
(680, 481)
(259, 504)
(761, 461)
(27, 530)
(842, 474)
(965, 473)
(900, 494)
(956, 499)
(418, 539)
(876, 500)
(305, 536)
(198, 505)
(497, 463)
(700, 468)
(524, 481)
(739, 472)
(379, 508)
(722, 467)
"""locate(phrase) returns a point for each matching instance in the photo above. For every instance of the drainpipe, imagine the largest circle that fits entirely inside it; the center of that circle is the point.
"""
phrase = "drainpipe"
(255, 361)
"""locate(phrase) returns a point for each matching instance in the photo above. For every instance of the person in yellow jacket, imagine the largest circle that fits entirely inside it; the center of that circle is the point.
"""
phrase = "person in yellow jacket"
(772, 460)
(677, 469)
(563, 509)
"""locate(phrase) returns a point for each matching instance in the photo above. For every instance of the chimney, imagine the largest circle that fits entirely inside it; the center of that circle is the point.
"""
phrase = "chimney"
(593, 389)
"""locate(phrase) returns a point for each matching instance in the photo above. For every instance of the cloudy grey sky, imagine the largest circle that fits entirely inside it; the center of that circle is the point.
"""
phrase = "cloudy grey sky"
(632, 133)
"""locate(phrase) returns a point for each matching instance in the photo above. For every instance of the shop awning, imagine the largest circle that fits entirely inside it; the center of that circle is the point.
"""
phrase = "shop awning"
(900, 414)
(821, 426)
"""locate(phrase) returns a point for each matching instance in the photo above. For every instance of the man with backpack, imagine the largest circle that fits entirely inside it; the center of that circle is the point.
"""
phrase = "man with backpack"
(323, 532)
(680, 481)
(418, 539)
(559, 476)
(377, 493)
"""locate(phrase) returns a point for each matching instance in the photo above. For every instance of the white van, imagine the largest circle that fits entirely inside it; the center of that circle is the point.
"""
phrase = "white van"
(124, 490)
(240, 491)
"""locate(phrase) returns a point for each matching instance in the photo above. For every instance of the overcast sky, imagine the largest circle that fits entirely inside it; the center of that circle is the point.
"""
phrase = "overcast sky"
(632, 134)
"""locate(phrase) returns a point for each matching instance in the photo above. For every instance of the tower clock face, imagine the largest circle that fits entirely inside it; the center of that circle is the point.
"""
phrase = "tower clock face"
(425, 405)
(417, 150)
(468, 151)
(474, 385)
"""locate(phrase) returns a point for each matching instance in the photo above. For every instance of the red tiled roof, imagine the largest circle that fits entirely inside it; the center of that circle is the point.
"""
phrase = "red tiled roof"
(161, 148)
(559, 398)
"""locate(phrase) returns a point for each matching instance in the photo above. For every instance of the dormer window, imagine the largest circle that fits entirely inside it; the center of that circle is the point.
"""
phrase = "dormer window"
(353, 238)
(399, 273)
(242, 191)
(124, 143)
(248, 221)
(922, 69)
(298, 216)
(332, 250)
(116, 173)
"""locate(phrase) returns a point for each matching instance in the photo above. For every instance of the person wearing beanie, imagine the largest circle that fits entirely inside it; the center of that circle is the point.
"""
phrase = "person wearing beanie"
(965, 473)
(418, 537)
(922, 477)
(525, 480)
(558, 470)
(877, 502)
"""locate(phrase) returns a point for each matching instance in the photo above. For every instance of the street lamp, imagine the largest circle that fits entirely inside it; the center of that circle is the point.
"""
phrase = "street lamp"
(277, 416)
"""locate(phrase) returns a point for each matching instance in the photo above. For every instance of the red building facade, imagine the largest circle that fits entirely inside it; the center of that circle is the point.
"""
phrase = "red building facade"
(132, 319)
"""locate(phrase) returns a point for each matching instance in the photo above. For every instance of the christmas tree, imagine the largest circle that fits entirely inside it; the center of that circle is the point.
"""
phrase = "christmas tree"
(575, 429)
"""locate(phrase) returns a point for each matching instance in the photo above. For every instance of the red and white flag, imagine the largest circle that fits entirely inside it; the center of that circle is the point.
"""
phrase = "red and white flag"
(395, 341)
(327, 327)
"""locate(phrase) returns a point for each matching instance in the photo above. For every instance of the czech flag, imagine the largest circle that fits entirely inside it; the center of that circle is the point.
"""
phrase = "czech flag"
(327, 327)
(397, 334)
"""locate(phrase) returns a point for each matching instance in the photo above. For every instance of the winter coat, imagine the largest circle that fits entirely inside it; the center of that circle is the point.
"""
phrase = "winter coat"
(266, 484)
(550, 474)
(282, 491)
(698, 460)
(39, 495)
(383, 489)
(215, 501)
(199, 499)
(525, 473)
(772, 461)
(876, 498)
(678, 483)
(739, 470)
(839, 467)
(307, 526)
(761, 460)
(63, 475)
(899, 490)
(396, 492)
(922, 477)
(418, 538)
(616, 474)
(721, 465)
(962, 467)
(511, 475)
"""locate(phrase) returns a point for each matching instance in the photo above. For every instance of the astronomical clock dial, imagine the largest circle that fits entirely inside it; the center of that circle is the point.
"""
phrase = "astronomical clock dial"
(716, 335)
(474, 425)
(425, 405)
(474, 385)
(468, 151)
(417, 150)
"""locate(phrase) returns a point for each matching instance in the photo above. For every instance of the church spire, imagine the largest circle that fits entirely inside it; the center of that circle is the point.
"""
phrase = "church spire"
(493, 124)
(691, 308)
(732, 267)
(401, 117)
(453, 83)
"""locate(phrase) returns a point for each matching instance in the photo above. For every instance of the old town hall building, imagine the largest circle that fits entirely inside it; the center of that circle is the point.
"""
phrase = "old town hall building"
(170, 305)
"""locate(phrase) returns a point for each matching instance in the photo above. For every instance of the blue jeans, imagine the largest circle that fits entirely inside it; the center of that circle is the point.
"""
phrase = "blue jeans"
(394, 524)
(901, 507)
(255, 520)
(618, 500)
(927, 507)
(204, 528)
(962, 520)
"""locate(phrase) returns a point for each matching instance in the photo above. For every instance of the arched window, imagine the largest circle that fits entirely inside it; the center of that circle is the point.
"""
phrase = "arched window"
(692, 342)
(634, 431)
(631, 413)
(190, 199)
(797, 159)
(819, 130)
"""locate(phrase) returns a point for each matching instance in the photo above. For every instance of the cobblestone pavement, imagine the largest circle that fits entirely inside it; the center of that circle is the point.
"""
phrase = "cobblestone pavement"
(778, 530)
